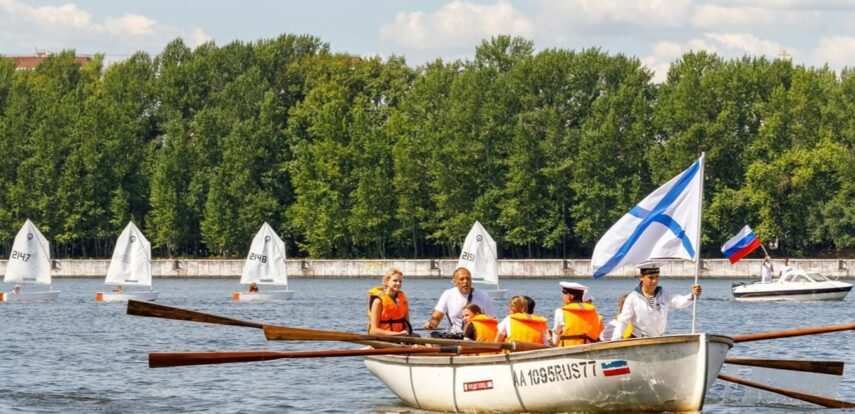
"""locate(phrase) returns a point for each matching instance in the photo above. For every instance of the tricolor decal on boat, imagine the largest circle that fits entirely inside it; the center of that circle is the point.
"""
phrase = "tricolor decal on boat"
(613, 368)
(478, 385)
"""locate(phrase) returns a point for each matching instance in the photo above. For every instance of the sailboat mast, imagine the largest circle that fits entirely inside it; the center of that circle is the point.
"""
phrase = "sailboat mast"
(698, 237)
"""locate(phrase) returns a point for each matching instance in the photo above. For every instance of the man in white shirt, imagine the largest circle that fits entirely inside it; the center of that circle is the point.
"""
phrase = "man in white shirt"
(453, 300)
(646, 307)
(767, 271)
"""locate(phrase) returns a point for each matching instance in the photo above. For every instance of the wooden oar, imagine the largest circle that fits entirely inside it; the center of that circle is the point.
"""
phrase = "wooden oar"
(164, 360)
(794, 332)
(154, 310)
(818, 367)
(275, 332)
(285, 333)
(815, 399)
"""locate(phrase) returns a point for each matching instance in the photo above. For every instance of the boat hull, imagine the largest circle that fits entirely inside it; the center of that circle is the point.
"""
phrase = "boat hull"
(125, 296)
(759, 292)
(262, 297)
(670, 373)
(29, 296)
(497, 294)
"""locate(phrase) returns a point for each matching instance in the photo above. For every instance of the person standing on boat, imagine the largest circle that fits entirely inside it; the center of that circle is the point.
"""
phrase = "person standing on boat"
(478, 326)
(767, 270)
(521, 326)
(453, 300)
(786, 267)
(388, 307)
(576, 322)
(646, 307)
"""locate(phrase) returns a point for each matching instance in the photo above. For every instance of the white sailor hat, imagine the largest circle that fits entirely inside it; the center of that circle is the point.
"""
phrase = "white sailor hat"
(648, 267)
(586, 297)
(573, 286)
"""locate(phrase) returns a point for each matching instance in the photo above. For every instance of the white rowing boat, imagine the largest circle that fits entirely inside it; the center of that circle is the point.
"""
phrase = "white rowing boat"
(669, 373)
(29, 263)
(131, 266)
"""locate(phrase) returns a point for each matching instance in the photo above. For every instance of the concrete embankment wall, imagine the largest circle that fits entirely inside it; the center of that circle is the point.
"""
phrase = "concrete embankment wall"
(555, 268)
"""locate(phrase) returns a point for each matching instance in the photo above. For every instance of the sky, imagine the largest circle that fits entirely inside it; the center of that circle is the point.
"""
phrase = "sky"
(658, 32)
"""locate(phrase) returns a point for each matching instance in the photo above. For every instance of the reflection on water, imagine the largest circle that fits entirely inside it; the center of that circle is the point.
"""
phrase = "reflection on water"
(75, 355)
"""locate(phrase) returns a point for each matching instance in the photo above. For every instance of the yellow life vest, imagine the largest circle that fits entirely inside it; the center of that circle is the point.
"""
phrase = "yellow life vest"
(582, 324)
(486, 328)
(527, 328)
(393, 316)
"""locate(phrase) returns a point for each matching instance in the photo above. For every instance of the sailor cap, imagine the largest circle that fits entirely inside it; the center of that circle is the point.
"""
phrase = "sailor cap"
(573, 286)
(648, 267)
(586, 297)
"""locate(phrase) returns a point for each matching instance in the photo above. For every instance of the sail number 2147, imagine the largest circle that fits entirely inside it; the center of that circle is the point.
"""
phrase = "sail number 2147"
(20, 255)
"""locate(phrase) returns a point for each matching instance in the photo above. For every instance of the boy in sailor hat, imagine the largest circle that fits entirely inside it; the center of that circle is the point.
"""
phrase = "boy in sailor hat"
(647, 306)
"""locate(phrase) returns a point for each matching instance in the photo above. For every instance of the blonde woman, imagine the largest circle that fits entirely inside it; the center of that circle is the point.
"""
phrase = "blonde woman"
(388, 309)
(522, 326)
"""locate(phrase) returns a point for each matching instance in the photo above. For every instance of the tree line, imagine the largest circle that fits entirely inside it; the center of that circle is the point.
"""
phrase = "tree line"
(365, 157)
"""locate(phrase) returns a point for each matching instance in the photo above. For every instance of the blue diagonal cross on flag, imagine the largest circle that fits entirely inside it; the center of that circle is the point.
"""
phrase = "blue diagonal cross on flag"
(665, 224)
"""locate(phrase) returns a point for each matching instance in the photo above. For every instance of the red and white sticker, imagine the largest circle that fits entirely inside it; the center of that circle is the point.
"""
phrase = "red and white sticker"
(478, 385)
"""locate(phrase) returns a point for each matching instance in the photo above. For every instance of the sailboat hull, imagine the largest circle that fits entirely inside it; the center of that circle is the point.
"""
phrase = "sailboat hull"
(125, 296)
(263, 297)
(497, 294)
(29, 296)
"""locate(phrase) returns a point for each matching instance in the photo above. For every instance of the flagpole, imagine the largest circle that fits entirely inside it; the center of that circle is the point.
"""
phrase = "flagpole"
(698, 239)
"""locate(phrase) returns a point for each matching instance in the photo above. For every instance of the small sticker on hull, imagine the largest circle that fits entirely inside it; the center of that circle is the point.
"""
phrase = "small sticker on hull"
(478, 385)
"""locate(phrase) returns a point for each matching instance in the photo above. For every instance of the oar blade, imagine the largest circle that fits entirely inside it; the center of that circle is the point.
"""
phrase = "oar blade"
(818, 367)
(792, 333)
(153, 310)
(814, 399)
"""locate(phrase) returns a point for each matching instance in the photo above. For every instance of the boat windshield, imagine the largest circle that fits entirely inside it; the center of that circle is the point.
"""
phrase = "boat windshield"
(818, 277)
(800, 278)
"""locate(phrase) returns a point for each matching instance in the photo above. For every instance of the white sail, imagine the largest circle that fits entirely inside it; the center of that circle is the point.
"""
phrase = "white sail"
(30, 259)
(131, 262)
(479, 255)
(265, 263)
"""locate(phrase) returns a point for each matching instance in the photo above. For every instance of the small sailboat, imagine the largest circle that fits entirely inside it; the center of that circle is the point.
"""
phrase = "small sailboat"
(130, 266)
(29, 263)
(479, 256)
(265, 265)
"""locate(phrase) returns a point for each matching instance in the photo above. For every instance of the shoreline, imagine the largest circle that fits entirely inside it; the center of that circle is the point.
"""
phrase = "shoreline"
(443, 268)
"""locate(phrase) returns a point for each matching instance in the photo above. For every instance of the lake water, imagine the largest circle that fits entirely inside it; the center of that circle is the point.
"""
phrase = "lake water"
(76, 355)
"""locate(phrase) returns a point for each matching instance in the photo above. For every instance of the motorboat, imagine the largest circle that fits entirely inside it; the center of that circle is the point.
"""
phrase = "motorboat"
(669, 373)
(794, 285)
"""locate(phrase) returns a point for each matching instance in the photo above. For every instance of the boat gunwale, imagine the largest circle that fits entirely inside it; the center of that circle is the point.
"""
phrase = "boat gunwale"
(463, 360)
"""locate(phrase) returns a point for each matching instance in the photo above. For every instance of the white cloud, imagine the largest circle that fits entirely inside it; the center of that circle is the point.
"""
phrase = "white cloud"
(716, 17)
(793, 4)
(25, 28)
(459, 24)
(726, 45)
(837, 51)
(592, 13)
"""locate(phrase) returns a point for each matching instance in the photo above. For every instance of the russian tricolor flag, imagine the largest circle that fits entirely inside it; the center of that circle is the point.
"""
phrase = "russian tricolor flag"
(740, 245)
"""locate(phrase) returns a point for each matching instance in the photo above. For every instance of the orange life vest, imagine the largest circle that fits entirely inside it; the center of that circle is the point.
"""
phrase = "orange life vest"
(582, 324)
(486, 328)
(393, 316)
(527, 328)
